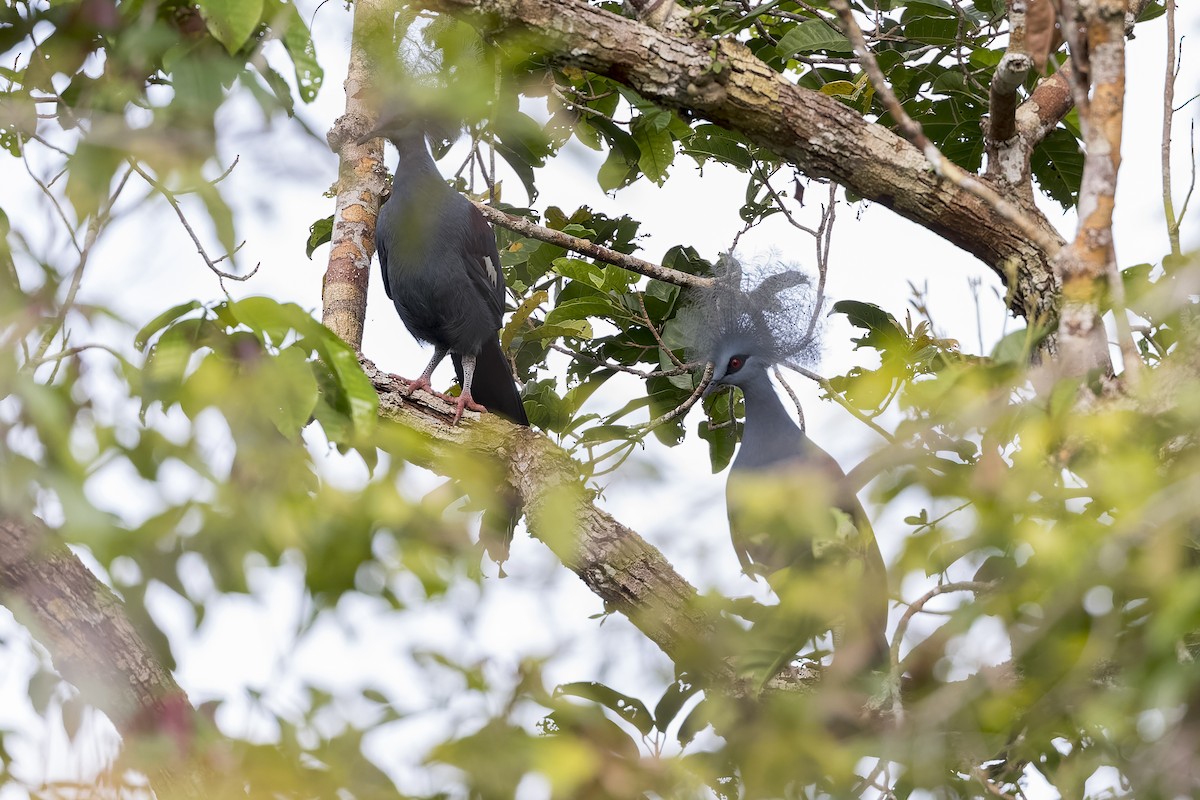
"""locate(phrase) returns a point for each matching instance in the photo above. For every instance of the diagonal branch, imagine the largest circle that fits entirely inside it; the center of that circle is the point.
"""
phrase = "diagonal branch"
(625, 571)
(1047, 240)
(724, 82)
(94, 646)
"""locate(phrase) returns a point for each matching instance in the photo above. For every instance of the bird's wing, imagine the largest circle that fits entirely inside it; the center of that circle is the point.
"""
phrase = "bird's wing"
(484, 261)
(381, 226)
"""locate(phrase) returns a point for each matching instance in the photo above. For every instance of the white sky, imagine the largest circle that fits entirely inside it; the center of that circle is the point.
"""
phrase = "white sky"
(146, 263)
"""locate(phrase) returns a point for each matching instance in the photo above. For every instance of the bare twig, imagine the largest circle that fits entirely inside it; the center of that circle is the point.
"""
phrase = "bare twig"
(918, 605)
(590, 249)
(837, 397)
(95, 225)
(658, 373)
(173, 201)
(62, 214)
(662, 346)
(1172, 73)
(683, 407)
(787, 387)
(70, 352)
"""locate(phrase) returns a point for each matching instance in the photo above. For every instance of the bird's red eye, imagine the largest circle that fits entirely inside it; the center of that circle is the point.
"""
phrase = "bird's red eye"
(735, 363)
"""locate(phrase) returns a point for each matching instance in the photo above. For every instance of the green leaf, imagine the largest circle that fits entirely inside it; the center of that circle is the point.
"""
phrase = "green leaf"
(657, 149)
(883, 332)
(291, 404)
(695, 722)
(299, 45)
(570, 329)
(713, 141)
(319, 233)
(90, 171)
(231, 21)
(721, 442)
(628, 708)
(516, 324)
(161, 321)
(584, 307)
(672, 700)
(839, 88)
(220, 214)
(605, 433)
(812, 35)
(269, 317)
(615, 172)
(1057, 163)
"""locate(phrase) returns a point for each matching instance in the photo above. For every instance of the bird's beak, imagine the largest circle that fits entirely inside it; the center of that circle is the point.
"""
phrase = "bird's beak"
(712, 388)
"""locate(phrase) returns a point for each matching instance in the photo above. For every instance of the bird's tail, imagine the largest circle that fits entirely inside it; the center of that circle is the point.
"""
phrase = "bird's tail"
(493, 385)
(498, 524)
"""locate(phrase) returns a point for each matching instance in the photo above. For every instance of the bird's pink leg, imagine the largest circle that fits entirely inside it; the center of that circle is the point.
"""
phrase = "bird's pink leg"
(423, 382)
(464, 399)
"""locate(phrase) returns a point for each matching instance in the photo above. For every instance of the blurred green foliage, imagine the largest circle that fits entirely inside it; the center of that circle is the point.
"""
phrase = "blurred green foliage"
(1061, 535)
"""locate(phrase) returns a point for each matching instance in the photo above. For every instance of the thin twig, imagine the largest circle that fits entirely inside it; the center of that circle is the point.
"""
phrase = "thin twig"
(95, 224)
(658, 373)
(73, 351)
(837, 397)
(591, 249)
(1172, 72)
(943, 166)
(174, 203)
(45, 188)
(654, 331)
(916, 607)
(683, 407)
(787, 387)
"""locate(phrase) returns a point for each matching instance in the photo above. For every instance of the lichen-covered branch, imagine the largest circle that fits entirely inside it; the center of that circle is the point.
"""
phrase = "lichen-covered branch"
(94, 646)
(1087, 267)
(725, 83)
(360, 184)
(1007, 155)
(619, 566)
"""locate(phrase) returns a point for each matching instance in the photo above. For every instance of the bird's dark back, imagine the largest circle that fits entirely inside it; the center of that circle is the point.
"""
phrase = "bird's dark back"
(419, 238)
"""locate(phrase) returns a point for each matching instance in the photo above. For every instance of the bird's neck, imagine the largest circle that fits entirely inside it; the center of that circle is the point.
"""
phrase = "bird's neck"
(414, 156)
(769, 428)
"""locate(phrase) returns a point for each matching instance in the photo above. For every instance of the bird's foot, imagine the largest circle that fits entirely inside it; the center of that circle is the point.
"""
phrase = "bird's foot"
(423, 384)
(464, 401)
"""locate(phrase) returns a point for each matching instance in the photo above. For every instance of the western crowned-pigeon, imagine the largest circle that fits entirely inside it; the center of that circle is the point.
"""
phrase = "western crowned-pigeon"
(793, 518)
(442, 270)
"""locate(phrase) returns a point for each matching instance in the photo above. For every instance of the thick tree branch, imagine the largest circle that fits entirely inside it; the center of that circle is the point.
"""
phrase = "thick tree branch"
(94, 646)
(728, 85)
(1088, 266)
(360, 183)
(619, 566)
(1007, 155)
(1027, 222)
(1051, 99)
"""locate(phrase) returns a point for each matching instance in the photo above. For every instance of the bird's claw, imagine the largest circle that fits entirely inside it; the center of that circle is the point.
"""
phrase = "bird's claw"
(423, 384)
(465, 401)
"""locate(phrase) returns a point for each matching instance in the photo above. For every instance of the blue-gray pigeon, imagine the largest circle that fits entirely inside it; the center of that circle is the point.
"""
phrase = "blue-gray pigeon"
(442, 270)
(793, 518)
